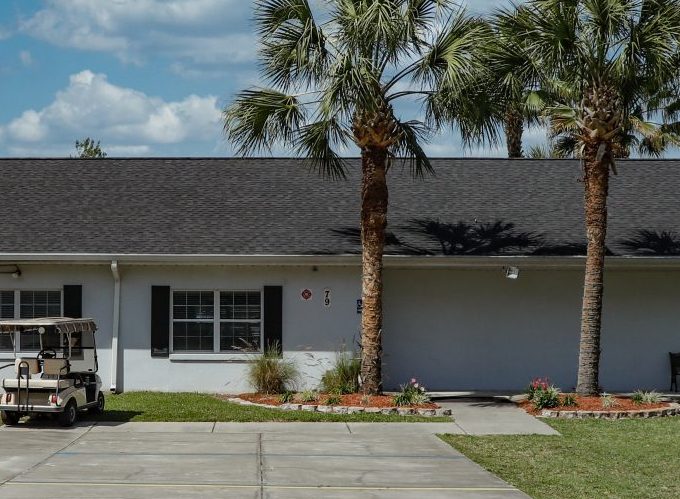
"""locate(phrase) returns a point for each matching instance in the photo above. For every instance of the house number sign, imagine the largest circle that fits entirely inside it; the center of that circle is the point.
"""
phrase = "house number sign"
(327, 298)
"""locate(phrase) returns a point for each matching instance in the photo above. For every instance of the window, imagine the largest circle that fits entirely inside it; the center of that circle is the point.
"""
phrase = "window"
(234, 325)
(37, 304)
(240, 321)
(6, 312)
(27, 305)
(193, 316)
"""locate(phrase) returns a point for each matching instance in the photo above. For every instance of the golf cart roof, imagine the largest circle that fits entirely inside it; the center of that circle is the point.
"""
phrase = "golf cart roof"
(63, 324)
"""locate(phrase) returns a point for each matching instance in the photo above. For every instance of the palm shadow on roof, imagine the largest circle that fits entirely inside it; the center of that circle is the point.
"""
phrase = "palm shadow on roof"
(430, 237)
(653, 243)
(462, 238)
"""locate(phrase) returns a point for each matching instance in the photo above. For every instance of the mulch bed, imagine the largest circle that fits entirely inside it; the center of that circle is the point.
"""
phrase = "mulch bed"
(351, 400)
(595, 404)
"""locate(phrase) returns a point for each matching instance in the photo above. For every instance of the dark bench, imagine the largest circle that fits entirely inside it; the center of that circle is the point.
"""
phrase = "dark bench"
(675, 369)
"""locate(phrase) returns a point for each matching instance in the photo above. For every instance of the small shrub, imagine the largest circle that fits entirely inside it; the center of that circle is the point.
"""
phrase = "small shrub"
(637, 397)
(343, 377)
(286, 397)
(308, 396)
(412, 393)
(569, 400)
(642, 397)
(537, 384)
(366, 400)
(546, 398)
(272, 374)
(333, 399)
(608, 401)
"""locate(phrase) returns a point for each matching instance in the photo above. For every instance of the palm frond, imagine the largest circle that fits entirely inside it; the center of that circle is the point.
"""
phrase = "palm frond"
(455, 56)
(293, 44)
(408, 147)
(318, 142)
(260, 118)
(352, 84)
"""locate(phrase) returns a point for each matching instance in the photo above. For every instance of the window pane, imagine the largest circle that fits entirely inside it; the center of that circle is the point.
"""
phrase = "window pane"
(7, 305)
(39, 304)
(254, 305)
(239, 336)
(6, 342)
(30, 341)
(239, 305)
(193, 305)
(192, 336)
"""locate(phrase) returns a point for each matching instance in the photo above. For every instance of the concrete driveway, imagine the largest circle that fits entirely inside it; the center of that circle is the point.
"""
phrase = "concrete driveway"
(240, 460)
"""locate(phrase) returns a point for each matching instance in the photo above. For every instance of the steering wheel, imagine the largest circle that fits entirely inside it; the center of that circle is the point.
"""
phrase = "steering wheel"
(47, 353)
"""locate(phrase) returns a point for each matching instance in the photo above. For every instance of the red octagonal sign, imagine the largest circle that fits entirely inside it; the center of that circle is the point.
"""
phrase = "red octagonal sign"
(306, 294)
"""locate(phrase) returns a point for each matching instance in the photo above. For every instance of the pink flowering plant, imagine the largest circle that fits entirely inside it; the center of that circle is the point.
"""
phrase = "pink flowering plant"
(412, 393)
(543, 394)
(537, 385)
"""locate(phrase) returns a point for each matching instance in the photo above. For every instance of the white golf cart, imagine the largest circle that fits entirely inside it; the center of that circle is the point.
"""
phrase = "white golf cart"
(61, 379)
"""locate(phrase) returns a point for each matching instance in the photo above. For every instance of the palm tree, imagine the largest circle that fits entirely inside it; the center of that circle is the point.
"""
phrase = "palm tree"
(612, 66)
(513, 99)
(334, 83)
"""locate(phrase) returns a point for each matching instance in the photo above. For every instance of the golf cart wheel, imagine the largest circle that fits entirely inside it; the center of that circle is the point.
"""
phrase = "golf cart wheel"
(70, 414)
(9, 418)
(99, 408)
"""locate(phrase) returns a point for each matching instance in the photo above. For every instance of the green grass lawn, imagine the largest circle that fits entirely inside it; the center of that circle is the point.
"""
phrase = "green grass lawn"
(155, 406)
(627, 458)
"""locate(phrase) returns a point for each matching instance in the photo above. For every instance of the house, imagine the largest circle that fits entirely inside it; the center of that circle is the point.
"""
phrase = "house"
(189, 265)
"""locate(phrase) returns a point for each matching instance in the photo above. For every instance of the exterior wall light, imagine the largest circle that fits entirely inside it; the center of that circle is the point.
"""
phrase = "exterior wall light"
(14, 270)
(511, 272)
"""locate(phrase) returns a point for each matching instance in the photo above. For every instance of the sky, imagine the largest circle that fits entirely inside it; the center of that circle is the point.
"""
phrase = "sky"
(146, 77)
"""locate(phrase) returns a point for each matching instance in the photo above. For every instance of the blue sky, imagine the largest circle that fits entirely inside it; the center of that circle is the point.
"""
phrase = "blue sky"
(146, 77)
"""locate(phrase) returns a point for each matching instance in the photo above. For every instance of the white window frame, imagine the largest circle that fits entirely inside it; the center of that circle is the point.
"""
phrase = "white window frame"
(216, 353)
(17, 310)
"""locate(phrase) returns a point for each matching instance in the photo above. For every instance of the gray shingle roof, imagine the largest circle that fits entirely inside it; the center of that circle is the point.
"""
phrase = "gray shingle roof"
(275, 206)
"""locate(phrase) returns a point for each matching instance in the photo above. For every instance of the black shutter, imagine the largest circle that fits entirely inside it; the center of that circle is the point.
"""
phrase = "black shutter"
(73, 301)
(160, 321)
(273, 317)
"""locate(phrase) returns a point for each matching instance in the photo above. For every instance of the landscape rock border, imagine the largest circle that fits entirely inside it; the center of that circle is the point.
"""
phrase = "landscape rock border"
(344, 409)
(672, 410)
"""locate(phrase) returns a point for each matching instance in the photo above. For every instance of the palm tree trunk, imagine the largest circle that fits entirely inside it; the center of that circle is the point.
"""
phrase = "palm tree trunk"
(596, 181)
(514, 127)
(373, 223)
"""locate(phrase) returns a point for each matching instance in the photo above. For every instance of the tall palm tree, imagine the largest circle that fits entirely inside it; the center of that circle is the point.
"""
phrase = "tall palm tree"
(612, 66)
(334, 77)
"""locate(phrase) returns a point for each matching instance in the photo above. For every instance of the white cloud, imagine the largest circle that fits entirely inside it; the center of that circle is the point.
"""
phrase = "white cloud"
(26, 58)
(186, 31)
(127, 120)
(143, 150)
(28, 127)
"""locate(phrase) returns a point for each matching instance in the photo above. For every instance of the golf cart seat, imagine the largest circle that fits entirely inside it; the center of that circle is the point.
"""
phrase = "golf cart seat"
(37, 383)
(52, 370)
(22, 362)
(55, 367)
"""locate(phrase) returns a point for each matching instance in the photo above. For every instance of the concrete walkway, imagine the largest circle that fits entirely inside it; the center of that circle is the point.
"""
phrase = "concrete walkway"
(494, 416)
(241, 460)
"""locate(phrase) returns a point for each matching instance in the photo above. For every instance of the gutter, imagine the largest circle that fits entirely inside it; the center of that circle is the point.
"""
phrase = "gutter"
(342, 260)
(116, 325)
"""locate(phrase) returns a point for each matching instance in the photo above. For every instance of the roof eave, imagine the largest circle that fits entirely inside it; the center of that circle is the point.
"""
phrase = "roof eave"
(352, 260)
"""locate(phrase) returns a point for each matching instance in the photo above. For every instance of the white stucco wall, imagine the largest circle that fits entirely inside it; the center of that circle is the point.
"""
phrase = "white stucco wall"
(312, 333)
(475, 329)
(452, 329)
